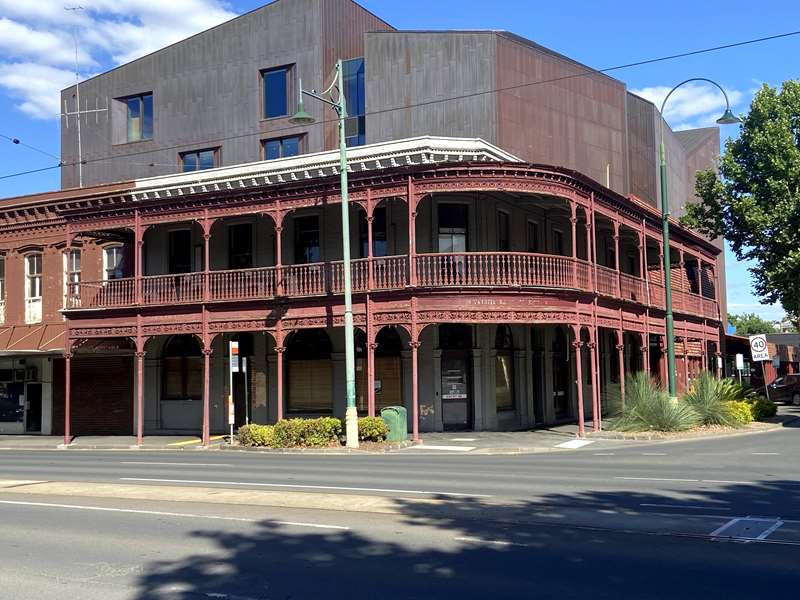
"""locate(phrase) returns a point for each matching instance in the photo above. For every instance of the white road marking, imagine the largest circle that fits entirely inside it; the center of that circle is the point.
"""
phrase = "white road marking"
(727, 481)
(686, 480)
(309, 487)
(766, 453)
(447, 448)
(775, 523)
(574, 444)
(464, 440)
(682, 506)
(603, 454)
(160, 513)
(654, 453)
(475, 540)
(174, 464)
(657, 479)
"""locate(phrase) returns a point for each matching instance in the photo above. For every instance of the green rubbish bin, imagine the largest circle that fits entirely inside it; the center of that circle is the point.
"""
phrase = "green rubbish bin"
(397, 420)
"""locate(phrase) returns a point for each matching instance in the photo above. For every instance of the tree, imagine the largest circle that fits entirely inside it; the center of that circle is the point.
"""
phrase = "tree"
(756, 204)
(750, 324)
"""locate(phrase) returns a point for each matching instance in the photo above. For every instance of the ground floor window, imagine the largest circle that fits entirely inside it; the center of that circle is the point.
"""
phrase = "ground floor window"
(182, 369)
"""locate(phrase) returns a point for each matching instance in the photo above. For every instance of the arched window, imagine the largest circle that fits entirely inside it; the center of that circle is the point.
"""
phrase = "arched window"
(182, 369)
(504, 368)
(310, 373)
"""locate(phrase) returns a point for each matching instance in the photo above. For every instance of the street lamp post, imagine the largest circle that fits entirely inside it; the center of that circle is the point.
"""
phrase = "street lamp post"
(301, 117)
(727, 118)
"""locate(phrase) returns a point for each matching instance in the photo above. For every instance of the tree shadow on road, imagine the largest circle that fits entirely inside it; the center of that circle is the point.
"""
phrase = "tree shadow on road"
(473, 548)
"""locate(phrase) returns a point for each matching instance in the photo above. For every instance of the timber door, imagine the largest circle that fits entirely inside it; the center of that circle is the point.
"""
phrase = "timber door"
(456, 396)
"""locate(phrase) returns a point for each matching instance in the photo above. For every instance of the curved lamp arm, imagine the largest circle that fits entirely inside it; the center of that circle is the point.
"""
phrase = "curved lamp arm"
(727, 116)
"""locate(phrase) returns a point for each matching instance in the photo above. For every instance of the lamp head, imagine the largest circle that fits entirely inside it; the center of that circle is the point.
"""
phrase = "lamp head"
(728, 118)
(301, 117)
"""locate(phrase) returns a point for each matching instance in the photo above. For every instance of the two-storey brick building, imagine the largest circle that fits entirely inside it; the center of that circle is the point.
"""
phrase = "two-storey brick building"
(508, 260)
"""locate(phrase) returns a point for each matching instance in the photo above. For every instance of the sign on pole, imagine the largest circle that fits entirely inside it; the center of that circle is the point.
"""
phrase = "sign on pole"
(233, 348)
(758, 347)
(740, 365)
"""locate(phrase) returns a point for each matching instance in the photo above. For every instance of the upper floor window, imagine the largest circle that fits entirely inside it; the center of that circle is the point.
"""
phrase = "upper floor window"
(240, 246)
(275, 84)
(355, 125)
(306, 240)
(113, 262)
(140, 117)
(503, 232)
(197, 160)
(533, 236)
(282, 147)
(33, 274)
(72, 272)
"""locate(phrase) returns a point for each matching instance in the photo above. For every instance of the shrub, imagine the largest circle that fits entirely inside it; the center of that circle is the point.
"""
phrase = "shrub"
(321, 432)
(372, 429)
(649, 407)
(711, 400)
(256, 435)
(761, 407)
(740, 411)
(291, 433)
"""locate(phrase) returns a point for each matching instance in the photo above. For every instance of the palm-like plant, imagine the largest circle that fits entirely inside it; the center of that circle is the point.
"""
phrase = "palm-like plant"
(647, 406)
(710, 398)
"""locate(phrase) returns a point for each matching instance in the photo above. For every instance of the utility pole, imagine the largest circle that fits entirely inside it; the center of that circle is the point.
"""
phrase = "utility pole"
(75, 9)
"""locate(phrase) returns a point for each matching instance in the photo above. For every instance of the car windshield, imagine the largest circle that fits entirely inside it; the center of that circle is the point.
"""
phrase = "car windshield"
(778, 381)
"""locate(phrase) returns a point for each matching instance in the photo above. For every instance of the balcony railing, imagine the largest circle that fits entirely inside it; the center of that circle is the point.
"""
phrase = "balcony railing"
(444, 270)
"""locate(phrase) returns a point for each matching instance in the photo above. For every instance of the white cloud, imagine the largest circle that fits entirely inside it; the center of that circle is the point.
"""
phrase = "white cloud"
(37, 48)
(695, 104)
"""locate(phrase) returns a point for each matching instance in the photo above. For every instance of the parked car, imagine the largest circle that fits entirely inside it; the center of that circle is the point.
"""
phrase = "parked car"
(786, 389)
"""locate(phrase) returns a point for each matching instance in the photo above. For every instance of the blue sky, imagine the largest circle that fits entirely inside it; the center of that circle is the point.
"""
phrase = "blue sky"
(37, 52)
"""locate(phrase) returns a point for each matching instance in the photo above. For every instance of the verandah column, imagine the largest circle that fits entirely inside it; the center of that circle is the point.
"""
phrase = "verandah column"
(412, 232)
(138, 247)
(589, 249)
(279, 350)
(577, 344)
(597, 417)
(278, 217)
(574, 222)
(67, 392)
(616, 257)
(621, 361)
(140, 354)
(206, 392)
(414, 344)
(207, 225)
(371, 346)
(370, 218)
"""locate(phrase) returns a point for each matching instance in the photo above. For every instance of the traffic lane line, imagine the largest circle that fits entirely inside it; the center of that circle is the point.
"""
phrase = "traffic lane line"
(162, 513)
(305, 487)
(174, 464)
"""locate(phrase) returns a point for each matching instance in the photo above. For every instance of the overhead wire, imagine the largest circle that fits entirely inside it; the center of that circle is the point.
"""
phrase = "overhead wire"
(585, 72)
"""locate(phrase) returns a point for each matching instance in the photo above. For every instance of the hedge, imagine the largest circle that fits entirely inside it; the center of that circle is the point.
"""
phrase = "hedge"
(309, 433)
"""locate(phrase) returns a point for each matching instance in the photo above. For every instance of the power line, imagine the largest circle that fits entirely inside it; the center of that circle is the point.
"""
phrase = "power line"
(29, 172)
(19, 142)
(585, 72)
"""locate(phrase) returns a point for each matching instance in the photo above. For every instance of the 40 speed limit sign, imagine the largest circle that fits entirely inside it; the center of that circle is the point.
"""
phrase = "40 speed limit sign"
(758, 347)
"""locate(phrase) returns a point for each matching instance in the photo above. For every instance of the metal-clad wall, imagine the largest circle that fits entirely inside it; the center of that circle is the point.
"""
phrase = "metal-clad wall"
(575, 121)
(406, 69)
(642, 149)
(204, 88)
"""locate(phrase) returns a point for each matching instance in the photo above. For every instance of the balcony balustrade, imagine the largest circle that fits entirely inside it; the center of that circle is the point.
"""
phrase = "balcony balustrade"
(443, 270)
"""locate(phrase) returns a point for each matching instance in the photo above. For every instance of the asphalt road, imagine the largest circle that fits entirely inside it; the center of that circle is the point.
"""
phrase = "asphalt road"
(632, 521)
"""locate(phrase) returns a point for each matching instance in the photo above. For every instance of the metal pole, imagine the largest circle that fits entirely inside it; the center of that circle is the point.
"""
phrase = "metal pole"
(351, 414)
(670, 322)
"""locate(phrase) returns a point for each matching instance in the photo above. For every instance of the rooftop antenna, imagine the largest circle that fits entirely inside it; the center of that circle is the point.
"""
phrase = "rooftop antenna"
(75, 9)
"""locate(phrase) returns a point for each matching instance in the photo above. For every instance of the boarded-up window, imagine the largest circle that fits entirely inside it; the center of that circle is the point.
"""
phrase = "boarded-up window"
(310, 386)
(310, 373)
